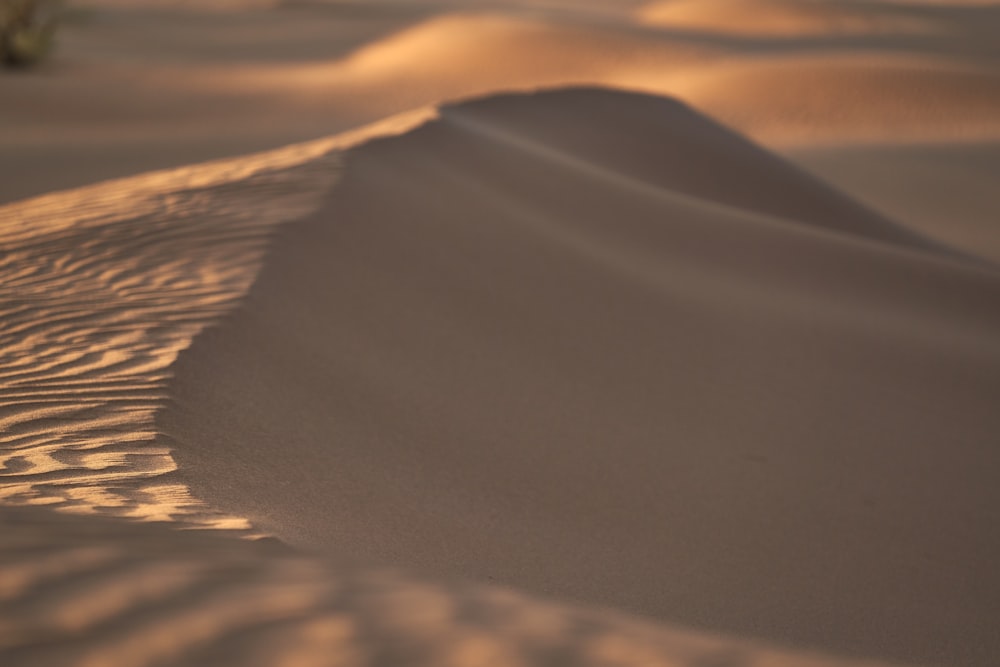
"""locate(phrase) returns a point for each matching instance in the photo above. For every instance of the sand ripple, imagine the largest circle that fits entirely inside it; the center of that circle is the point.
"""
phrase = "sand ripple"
(101, 288)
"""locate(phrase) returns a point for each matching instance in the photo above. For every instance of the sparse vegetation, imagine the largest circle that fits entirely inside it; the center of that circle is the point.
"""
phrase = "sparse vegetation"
(27, 28)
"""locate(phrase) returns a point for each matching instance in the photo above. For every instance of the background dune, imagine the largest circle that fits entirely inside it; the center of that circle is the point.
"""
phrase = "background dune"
(789, 18)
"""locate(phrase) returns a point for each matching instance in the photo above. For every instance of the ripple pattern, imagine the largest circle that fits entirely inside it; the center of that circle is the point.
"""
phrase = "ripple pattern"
(100, 288)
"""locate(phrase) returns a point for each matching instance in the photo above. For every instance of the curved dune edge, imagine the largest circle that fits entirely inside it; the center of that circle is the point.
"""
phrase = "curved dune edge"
(543, 341)
(101, 287)
(91, 592)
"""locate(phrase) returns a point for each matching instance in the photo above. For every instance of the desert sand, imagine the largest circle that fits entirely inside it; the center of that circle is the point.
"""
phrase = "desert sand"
(502, 333)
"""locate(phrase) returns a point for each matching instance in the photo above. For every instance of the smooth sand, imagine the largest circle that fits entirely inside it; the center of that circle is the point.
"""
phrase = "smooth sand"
(592, 345)
(798, 385)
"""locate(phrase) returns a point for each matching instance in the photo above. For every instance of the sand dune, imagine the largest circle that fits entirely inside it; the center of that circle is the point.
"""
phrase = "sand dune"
(588, 345)
(540, 341)
(460, 49)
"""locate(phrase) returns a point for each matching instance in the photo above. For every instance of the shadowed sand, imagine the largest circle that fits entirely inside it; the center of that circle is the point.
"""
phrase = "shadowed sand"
(594, 346)
(90, 592)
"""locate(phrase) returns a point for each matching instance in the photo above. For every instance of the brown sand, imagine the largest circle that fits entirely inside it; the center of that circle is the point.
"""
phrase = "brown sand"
(943, 190)
(90, 592)
(549, 341)
(823, 422)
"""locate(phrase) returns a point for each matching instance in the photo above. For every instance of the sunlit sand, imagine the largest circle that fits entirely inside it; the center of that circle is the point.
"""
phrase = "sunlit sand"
(502, 333)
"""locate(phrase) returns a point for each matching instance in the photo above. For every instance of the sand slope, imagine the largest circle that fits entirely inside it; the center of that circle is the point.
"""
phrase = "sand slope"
(88, 592)
(548, 341)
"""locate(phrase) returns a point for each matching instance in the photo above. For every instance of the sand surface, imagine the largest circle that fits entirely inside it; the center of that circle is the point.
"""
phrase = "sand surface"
(98, 593)
(703, 374)
(530, 347)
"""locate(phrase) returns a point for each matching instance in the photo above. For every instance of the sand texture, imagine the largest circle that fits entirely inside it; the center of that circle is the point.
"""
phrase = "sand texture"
(101, 288)
(96, 593)
(482, 333)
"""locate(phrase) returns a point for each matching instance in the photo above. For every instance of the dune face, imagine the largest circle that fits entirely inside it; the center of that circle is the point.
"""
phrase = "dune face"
(591, 345)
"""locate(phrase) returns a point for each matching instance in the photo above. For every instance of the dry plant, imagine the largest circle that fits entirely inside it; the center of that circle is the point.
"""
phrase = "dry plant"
(27, 28)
